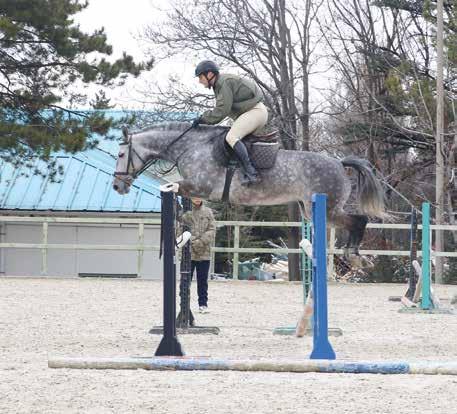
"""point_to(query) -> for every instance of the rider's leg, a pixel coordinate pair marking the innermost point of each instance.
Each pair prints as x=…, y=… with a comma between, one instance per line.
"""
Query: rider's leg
x=250, y=173
x=250, y=122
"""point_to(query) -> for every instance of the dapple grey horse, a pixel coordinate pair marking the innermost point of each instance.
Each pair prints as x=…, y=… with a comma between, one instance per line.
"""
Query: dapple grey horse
x=295, y=176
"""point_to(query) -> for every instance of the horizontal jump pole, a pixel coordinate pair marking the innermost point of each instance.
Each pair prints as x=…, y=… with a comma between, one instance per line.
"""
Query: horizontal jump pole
x=298, y=366
x=291, y=330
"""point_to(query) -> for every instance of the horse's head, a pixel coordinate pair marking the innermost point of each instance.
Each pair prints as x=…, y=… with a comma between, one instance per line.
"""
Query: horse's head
x=140, y=150
x=130, y=163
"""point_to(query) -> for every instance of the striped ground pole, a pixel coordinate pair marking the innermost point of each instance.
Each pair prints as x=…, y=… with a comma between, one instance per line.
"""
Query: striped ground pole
x=297, y=366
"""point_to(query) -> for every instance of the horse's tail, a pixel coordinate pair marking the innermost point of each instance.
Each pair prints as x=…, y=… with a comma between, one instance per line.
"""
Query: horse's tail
x=371, y=194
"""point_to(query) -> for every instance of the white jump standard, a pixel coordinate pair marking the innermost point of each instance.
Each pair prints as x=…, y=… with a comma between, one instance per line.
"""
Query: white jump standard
x=420, y=297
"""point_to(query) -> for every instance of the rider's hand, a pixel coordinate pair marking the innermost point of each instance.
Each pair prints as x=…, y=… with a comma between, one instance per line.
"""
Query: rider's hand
x=196, y=122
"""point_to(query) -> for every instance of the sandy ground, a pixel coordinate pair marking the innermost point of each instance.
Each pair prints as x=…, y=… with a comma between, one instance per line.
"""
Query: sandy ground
x=41, y=317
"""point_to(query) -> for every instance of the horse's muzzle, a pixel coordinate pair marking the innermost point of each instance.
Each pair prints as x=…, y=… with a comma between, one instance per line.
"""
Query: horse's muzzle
x=121, y=186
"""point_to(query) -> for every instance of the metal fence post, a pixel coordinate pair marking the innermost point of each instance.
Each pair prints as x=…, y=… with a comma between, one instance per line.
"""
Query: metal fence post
x=331, y=254
x=236, y=256
x=140, y=251
x=44, y=250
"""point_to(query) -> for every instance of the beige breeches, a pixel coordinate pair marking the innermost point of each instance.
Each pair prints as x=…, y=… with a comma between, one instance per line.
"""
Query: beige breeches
x=247, y=123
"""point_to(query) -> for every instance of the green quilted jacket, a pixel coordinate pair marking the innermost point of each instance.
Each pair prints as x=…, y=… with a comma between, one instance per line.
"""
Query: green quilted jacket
x=234, y=96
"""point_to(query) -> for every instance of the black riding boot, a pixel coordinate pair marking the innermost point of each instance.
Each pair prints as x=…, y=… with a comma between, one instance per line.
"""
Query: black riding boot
x=250, y=173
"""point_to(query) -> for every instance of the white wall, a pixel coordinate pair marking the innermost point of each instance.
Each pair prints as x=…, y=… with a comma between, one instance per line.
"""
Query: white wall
x=71, y=263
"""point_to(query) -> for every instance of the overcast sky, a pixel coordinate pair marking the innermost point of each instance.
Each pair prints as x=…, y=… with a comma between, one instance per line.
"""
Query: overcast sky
x=123, y=21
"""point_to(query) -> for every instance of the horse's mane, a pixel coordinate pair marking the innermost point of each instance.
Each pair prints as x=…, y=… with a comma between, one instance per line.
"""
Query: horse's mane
x=204, y=134
x=180, y=126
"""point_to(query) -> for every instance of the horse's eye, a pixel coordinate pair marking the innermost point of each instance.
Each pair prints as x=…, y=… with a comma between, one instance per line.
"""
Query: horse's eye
x=121, y=155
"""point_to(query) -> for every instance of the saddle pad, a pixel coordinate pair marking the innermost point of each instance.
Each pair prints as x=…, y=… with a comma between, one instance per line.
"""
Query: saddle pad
x=263, y=154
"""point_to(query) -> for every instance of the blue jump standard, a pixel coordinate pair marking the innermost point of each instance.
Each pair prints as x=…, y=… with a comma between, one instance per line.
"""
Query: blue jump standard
x=322, y=349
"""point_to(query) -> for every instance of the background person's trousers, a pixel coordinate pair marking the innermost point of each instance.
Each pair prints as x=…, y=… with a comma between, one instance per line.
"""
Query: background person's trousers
x=202, y=267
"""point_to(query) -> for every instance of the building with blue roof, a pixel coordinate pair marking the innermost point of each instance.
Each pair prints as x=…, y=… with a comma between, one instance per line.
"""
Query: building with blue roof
x=84, y=191
x=85, y=186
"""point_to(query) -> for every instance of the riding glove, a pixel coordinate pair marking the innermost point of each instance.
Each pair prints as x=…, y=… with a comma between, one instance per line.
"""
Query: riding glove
x=196, y=122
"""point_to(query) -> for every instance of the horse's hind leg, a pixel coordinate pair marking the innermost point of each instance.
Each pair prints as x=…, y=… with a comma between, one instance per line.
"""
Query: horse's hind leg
x=356, y=232
x=355, y=225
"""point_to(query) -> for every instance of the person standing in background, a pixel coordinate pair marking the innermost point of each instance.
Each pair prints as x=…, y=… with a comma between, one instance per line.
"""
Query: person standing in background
x=203, y=228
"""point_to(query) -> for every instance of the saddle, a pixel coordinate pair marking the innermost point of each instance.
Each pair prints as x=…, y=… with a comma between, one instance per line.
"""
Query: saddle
x=262, y=149
x=270, y=137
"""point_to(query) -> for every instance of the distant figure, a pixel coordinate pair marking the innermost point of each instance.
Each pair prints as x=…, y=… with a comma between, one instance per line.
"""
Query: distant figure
x=203, y=228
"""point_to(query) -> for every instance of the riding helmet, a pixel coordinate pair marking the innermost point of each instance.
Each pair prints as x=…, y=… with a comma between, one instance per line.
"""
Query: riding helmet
x=206, y=66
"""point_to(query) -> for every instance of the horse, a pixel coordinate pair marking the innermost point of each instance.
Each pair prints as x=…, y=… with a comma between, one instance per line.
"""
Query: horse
x=295, y=177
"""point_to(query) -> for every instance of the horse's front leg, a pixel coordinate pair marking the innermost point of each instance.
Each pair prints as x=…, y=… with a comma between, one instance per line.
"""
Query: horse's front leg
x=188, y=188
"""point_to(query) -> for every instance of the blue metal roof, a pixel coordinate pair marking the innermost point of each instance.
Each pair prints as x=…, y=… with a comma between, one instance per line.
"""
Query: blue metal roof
x=86, y=185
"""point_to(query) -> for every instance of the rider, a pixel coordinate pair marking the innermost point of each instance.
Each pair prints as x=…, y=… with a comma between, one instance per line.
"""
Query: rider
x=239, y=99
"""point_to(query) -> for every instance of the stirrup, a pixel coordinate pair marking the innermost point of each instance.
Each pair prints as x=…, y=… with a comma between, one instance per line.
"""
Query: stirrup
x=248, y=180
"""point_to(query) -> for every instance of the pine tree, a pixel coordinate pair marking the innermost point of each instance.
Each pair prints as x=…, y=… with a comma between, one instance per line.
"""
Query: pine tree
x=42, y=53
x=101, y=101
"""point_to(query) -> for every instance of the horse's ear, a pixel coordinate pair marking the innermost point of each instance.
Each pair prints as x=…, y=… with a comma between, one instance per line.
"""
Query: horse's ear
x=125, y=132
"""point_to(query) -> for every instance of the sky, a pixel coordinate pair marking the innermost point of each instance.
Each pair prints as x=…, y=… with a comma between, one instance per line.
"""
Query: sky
x=123, y=21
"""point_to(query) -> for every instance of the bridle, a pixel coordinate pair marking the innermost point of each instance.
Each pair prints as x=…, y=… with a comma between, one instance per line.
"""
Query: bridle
x=130, y=151
x=146, y=164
